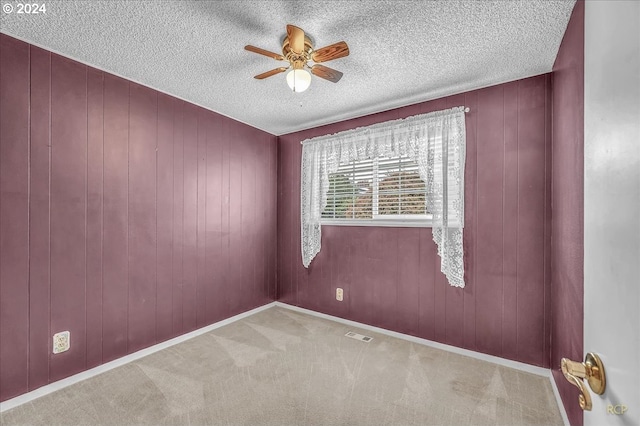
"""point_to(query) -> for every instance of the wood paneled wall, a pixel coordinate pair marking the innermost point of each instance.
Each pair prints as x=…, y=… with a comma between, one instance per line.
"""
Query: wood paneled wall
x=391, y=276
x=127, y=216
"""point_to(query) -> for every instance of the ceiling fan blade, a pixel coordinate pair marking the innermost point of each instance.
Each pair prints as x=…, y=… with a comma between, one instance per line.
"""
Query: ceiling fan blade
x=326, y=73
x=264, y=52
x=270, y=73
x=296, y=38
x=329, y=53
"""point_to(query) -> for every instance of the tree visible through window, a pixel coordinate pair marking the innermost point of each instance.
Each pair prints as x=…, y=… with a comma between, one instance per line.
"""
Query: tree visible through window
x=379, y=188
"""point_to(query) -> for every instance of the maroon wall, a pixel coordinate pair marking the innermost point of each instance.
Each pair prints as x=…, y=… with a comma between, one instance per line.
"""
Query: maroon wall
x=126, y=216
x=567, y=224
x=391, y=276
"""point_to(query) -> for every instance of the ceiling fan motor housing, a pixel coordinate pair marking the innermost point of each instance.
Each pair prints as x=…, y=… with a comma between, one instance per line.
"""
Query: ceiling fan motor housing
x=297, y=60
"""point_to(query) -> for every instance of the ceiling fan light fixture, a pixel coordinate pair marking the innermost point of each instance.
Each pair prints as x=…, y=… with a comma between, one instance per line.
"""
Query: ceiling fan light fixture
x=298, y=50
x=299, y=80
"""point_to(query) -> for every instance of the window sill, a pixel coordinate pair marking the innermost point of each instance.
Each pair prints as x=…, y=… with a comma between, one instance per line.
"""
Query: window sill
x=423, y=223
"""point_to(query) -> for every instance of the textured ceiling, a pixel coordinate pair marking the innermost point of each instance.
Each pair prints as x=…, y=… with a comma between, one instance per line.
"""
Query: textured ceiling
x=402, y=52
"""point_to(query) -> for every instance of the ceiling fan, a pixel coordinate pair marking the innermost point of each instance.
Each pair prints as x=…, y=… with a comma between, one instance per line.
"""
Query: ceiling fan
x=298, y=50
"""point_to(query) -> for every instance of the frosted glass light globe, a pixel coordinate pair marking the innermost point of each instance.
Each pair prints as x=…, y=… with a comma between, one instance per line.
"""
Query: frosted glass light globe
x=298, y=80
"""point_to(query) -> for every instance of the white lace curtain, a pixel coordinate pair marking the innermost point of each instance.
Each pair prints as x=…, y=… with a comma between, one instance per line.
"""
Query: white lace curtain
x=435, y=141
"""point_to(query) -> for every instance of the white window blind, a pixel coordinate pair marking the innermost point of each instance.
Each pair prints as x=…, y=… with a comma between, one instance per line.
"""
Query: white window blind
x=386, y=188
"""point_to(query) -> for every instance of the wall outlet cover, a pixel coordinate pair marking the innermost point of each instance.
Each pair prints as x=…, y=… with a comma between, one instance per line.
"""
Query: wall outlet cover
x=61, y=342
x=339, y=294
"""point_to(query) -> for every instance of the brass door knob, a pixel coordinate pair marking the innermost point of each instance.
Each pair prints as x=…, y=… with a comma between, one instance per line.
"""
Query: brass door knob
x=591, y=369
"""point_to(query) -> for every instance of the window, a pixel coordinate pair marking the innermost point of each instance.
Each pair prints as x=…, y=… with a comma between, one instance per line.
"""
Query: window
x=356, y=177
x=384, y=191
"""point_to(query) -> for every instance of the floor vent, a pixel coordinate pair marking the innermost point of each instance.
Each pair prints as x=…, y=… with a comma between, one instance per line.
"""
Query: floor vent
x=360, y=337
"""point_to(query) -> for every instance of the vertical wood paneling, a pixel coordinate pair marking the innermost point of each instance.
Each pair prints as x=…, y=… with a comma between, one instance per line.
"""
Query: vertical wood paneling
x=118, y=209
x=285, y=276
x=408, y=268
x=427, y=252
x=250, y=196
x=285, y=260
x=506, y=180
x=547, y=332
x=281, y=260
x=454, y=316
x=272, y=221
x=68, y=211
x=190, y=219
x=313, y=290
x=300, y=276
x=490, y=184
x=214, y=266
x=295, y=268
x=262, y=192
x=236, y=262
x=226, y=210
x=39, y=168
x=164, y=223
x=178, y=216
x=201, y=225
x=440, y=305
x=339, y=257
x=247, y=198
x=14, y=216
x=510, y=223
x=327, y=294
x=360, y=291
x=143, y=125
x=201, y=228
x=95, y=151
x=470, y=223
x=385, y=270
x=531, y=204
x=248, y=217
x=260, y=229
x=115, y=216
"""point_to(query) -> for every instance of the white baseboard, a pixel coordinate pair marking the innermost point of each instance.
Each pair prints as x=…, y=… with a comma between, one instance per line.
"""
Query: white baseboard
x=540, y=371
x=52, y=387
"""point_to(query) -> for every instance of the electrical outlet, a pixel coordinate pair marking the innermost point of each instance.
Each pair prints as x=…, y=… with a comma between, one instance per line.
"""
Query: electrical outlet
x=339, y=294
x=61, y=342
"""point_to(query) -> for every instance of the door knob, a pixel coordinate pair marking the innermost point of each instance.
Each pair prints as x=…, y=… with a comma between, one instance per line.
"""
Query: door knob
x=592, y=370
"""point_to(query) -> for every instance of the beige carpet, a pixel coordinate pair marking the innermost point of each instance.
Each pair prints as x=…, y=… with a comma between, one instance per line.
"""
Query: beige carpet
x=280, y=367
